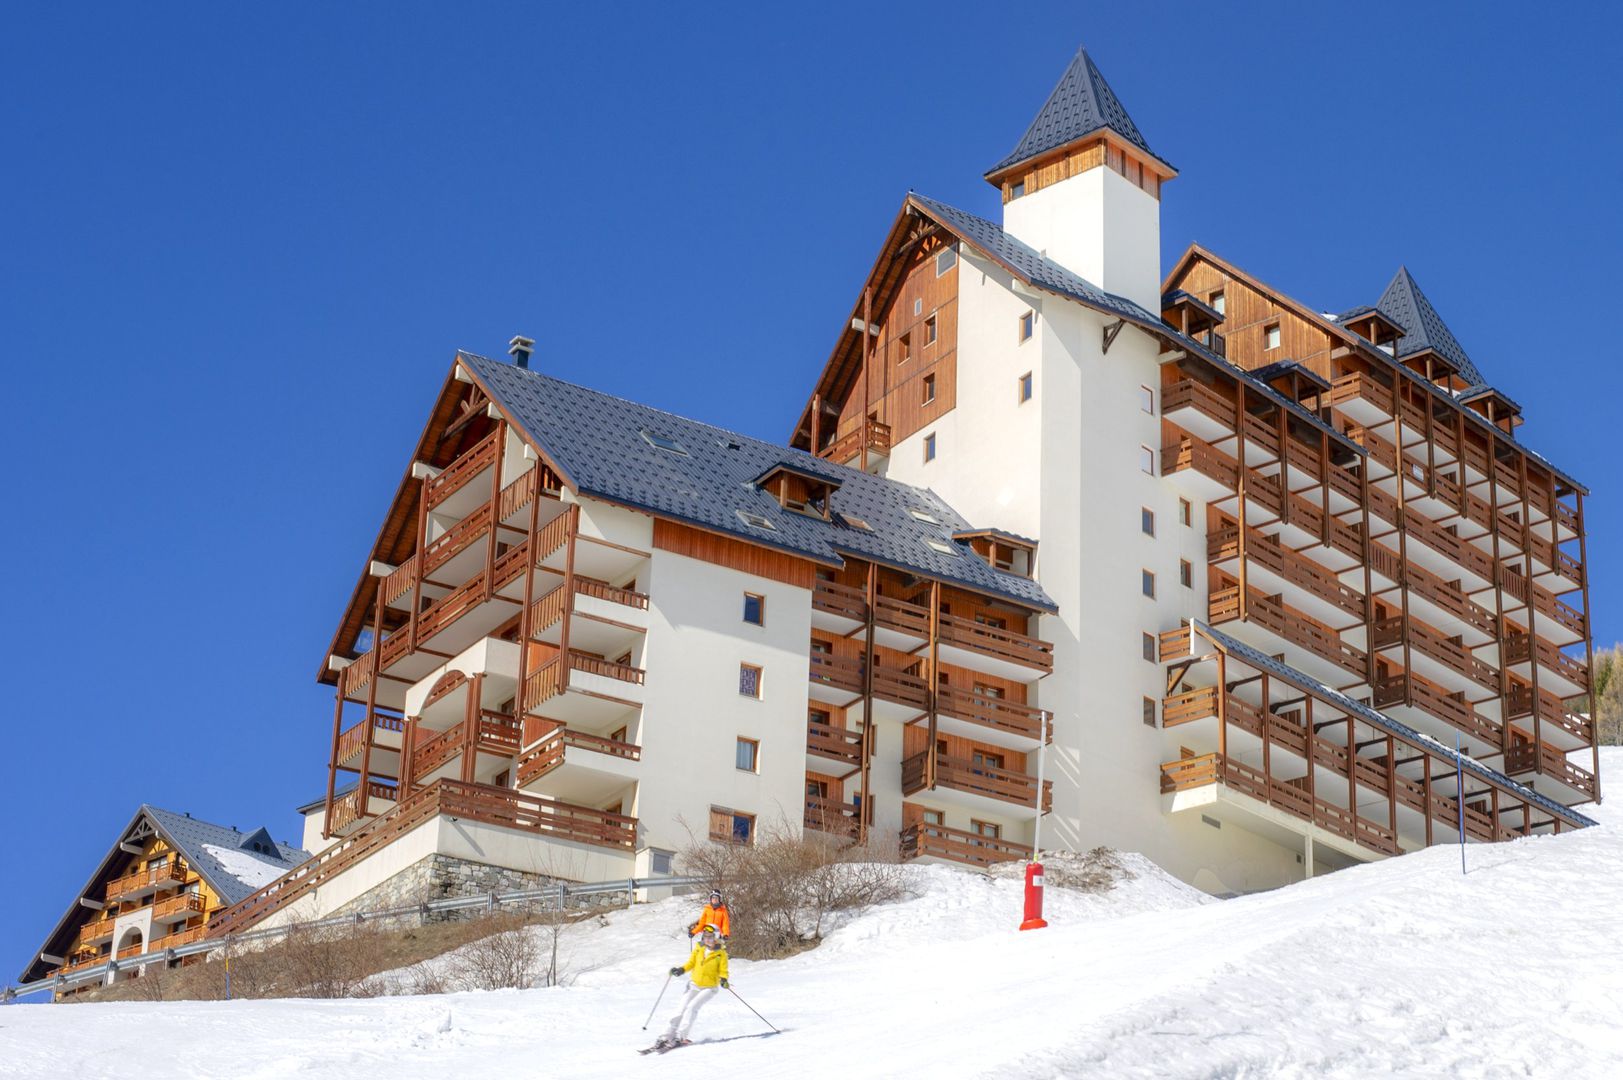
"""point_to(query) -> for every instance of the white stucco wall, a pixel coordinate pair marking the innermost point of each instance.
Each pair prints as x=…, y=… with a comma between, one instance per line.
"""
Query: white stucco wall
x=1100, y=226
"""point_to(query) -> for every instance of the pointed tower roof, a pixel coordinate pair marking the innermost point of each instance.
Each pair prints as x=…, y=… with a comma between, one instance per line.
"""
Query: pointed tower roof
x=1423, y=328
x=1080, y=105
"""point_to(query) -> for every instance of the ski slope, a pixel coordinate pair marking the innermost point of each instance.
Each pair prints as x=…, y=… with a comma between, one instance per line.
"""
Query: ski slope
x=1401, y=968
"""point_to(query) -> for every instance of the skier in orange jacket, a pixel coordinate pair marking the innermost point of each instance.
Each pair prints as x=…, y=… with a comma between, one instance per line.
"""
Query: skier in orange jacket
x=715, y=914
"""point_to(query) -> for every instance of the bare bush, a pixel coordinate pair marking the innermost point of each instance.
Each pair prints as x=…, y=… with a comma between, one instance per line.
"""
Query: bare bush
x=502, y=960
x=783, y=889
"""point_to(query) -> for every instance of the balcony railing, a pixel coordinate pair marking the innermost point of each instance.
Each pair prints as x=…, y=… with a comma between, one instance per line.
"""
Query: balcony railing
x=830, y=816
x=996, y=641
x=999, y=714
x=838, y=672
x=166, y=874
x=836, y=598
x=1305, y=574
x=835, y=743
x=976, y=778
x=347, y=808
x=1551, y=710
x=1450, y=652
x=100, y=930
x=472, y=462
x=548, y=680
x=940, y=842
x=1547, y=761
x=353, y=741
x=179, y=907
x=551, y=751
x=1451, y=708
x=847, y=446
x=1268, y=613
x=550, y=608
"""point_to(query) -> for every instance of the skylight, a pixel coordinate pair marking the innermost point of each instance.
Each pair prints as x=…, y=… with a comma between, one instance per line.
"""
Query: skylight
x=858, y=523
x=939, y=545
x=754, y=521
x=663, y=442
x=923, y=515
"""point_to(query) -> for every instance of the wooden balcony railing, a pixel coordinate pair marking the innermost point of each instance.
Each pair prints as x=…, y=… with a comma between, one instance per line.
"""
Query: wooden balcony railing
x=435, y=748
x=1359, y=385
x=1547, y=761
x=498, y=732
x=1447, y=595
x=549, y=609
x=551, y=751
x=1551, y=710
x=846, y=601
x=179, y=907
x=179, y=938
x=835, y=743
x=472, y=462
x=608, y=669
x=1450, y=652
x=1520, y=647
x=1300, y=571
x=902, y=687
x=999, y=714
x=1451, y=708
x=901, y=616
x=1176, y=644
x=347, y=808
x=839, y=672
x=550, y=679
x=994, y=641
x=1270, y=614
x=1543, y=601
x=353, y=740
x=1192, y=453
x=847, y=446
x=170, y=872
x=830, y=816
x=940, y=842
x=99, y=930
x=977, y=778
x=1206, y=400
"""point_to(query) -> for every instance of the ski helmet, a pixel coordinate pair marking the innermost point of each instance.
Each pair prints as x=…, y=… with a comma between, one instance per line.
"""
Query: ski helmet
x=715, y=896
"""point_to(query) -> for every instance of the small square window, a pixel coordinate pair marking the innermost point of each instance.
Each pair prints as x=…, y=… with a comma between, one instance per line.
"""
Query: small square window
x=1146, y=461
x=929, y=447
x=929, y=389
x=660, y=862
x=1146, y=521
x=1028, y=322
x=755, y=608
x=918, y=305
x=1150, y=650
x=1146, y=400
x=1149, y=712
x=1185, y=512
x=1217, y=301
x=731, y=826
x=1017, y=189
x=945, y=261
x=749, y=680
x=747, y=756
x=1025, y=388
x=930, y=330
x=1270, y=336
x=1147, y=583
x=1186, y=574
x=904, y=348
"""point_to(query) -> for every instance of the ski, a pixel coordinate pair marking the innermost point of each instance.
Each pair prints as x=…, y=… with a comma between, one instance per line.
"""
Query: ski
x=662, y=1047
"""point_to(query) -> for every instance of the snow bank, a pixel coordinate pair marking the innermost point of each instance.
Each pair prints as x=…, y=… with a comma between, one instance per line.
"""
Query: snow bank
x=1405, y=967
x=244, y=867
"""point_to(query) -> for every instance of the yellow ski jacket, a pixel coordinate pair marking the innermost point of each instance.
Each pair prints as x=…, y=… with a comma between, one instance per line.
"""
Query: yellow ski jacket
x=709, y=966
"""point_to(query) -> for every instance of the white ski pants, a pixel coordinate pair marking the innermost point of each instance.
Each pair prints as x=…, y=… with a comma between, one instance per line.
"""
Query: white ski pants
x=695, y=999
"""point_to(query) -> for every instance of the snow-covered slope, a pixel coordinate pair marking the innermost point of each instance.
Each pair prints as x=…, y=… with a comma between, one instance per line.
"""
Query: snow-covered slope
x=1406, y=967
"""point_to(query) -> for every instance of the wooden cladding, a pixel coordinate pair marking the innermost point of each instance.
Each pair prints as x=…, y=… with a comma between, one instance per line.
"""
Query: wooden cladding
x=1077, y=159
x=735, y=554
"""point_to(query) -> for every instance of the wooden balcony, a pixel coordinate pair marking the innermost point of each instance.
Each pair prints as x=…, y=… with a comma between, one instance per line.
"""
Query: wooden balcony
x=1557, y=725
x=551, y=752
x=836, y=818
x=167, y=874
x=1525, y=757
x=177, y=908
x=1452, y=609
x=99, y=930
x=1416, y=693
x=179, y=938
x=846, y=448
x=846, y=606
x=835, y=678
x=1194, y=706
x=1199, y=469
x=977, y=638
x=1361, y=397
x=352, y=743
x=972, y=778
x=1520, y=649
x=832, y=743
x=1270, y=614
x=1190, y=773
x=623, y=605
x=347, y=810
x=622, y=681
x=955, y=845
x=470, y=464
x=988, y=718
x=1316, y=588
x=1451, y=662
x=1557, y=620
x=1209, y=414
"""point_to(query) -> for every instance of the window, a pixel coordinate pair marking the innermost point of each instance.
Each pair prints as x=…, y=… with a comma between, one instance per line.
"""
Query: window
x=918, y=305
x=1147, y=583
x=983, y=690
x=986, y=829
x=1217, y=302
x=1146, y=521
x=1017, y=189
x=1270, y=336
x=747, y=756
x=664, y=442
x=816, y=789
x=1146, y=400
x=731, y=826
x=1185, y=512
x=754, y=521
x=1149, y=648
x=929, y=330
x=987, y=759
x=939, y=545
x=1025, y=388
x=1149, y=712
x=1027, y=322
x=945, y=261
x=755, y=609
x=923, y=515
x=904, y=346
x=749, y=680
x=1186, y=574
x=929, y=447
x=1146, y=461
x=929, y=389
x=933, y=817
x=660, y=862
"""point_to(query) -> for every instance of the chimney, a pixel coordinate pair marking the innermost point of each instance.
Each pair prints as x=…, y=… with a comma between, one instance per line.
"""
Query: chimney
x=520, y=348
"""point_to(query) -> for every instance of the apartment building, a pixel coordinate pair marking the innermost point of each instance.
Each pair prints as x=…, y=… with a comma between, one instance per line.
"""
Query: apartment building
x=1167, y=562
x=156, y=888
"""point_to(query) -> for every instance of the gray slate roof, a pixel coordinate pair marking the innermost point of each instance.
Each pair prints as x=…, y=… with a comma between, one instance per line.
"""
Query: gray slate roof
x=1261, y=661
x=1081, y=104
x=189, y=836
x=1423, y=328
x=596, y=440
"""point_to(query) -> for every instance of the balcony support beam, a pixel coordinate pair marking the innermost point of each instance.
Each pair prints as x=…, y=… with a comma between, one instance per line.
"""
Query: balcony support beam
x=870, y=600
x=1589, y=646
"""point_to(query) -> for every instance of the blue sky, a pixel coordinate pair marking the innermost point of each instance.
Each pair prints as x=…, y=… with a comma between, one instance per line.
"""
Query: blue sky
x=239, y=249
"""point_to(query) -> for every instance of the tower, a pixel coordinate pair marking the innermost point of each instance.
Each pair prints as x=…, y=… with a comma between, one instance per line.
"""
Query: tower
x=1083, y=187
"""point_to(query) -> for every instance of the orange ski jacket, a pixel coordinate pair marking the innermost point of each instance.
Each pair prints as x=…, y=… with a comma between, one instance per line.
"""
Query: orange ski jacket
x=713, y=916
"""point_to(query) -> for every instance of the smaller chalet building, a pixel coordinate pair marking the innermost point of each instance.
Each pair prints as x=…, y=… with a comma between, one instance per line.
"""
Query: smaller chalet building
x=155, y=889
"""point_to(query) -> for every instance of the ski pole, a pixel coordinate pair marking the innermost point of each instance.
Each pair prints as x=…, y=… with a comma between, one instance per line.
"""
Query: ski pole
x=751, y=1008
x=657, y=1000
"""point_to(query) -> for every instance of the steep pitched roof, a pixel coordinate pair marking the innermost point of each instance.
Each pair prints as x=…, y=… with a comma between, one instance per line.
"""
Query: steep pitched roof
x=1080, y=104
x=597, y=442
x=231, y=870
x=1423, y=328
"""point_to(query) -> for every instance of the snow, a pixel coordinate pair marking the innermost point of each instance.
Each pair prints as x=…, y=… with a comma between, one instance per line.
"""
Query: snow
x=244, y=867
x=1405, y=967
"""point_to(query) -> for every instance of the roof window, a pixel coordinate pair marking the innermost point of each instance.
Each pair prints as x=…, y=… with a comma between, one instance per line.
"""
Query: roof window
x=923, y=515
x=858, y=523
x=753, y=520
x=663, y=442
x=939, y=545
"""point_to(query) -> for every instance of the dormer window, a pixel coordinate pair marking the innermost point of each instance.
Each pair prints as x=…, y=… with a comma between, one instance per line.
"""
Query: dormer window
x=801, y=492
x=1001, y=551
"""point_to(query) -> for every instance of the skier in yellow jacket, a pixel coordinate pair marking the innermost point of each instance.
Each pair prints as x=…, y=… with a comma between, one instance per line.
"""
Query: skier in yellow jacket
x=708, y=965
